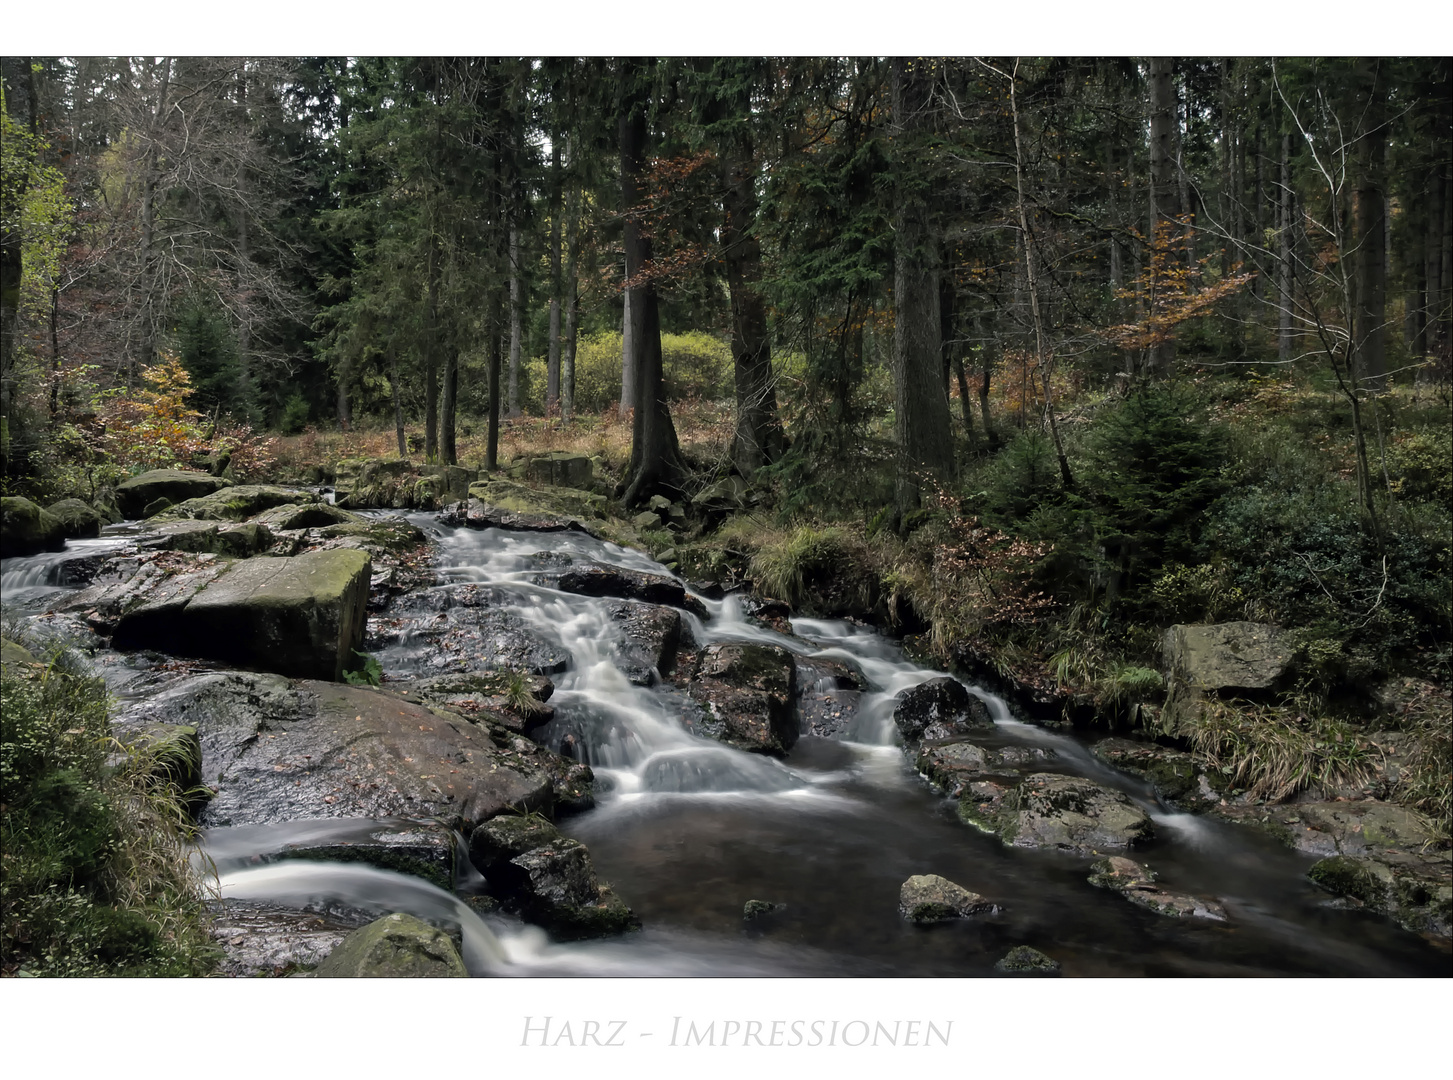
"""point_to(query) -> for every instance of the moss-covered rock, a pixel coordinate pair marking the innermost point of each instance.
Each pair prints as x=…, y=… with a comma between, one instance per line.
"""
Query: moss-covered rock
x=1232, y=657
x=928, y=898
x=1027, y=960
x=236, y=503
x=938, y=709
x=952, y=766
x=746, y=691
x=1414, y=888
x=1182, y=779
x=26, y=529
x=397, y=946
x=177, y=485
x=562, y=469
x=79, y=518
x=1065, y=813
x=1136, y=883
x=318, y=515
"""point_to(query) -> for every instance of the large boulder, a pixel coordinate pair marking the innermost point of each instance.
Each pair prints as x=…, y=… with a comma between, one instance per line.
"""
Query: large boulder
x=939, y=709
x=654, y=634
x=1227, y=658
x=1336, y=828
x=1064, y=813
x=422, y=849
x=235, y=503
x=235, y=541
x=746, y=692
x=26, y=529
x=398, y=946
x=562, y=469
x=548, y=878
x=461, y=628
x=319, y=515
x=600, y=579
x=928, y=898
x=78, y=517
x=174, y=485
x=303, y=616
x=274, y=750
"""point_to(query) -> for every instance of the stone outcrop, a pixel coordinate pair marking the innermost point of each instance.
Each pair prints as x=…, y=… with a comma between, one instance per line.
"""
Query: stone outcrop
x=828, y=693
x=1064, y=813
x=1136, y=883
x=398, y=946
x=654, y=635
x=78, y=518
x=1227, y=658
x=952, y=767
x=234, y=503
x=1181, y=779
x=1415, y=888
x=562, y=469
x=746, y=693
x=174, y=485
x=26, y=529
x=928, y=898
x=275, y=750
x=548, y=878
x=462, y=628
x=939, y=709
x=598, y=579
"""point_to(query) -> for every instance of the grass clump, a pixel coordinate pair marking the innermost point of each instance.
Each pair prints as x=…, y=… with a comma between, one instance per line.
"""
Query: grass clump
x=96, y=876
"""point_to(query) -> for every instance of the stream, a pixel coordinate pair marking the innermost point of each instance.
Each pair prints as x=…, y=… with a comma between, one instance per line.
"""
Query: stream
x=687, y=830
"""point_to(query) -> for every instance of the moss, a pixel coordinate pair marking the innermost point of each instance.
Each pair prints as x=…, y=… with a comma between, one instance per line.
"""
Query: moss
x=985, y=821
x=1353, y=878
x=1024, y=959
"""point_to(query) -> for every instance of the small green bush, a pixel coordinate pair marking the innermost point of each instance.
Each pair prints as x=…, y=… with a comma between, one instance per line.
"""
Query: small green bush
x=694, y=365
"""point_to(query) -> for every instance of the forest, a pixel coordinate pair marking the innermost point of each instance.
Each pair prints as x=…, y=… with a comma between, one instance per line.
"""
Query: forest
x=1040, y=366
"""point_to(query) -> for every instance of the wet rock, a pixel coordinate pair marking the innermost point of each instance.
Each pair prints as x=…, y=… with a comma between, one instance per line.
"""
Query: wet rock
x=548, y=878
x=1027, y=960
x=1066, y=813
x=397, y=946
x=235, y=503
x=928, y=898
x=135, y=494
x=422, y=849
x=654, y=634
x=746, y=692
x=260, y=939
x=302, y=616
x=753, y=910
x=275, y=751
x=599, y=579
x=562, y=469
x=461, y=628
x=156, y=506
x=78, y=518
x=26, y=529
x=1229, y=657
x=828, y=692
x=485, y=696
x=1135, y=882
x=1335, y=828
x=235, y=541
x=1413, y=888
x=319, y=515
x=939, y=709
x=952, y=766
x=1181, y=779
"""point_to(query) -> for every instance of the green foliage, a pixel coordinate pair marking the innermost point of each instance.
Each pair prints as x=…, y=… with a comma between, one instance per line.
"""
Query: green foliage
x=1421, y=465
x=784, y=569
x=295, y=414
x=367, y=671
x=694, y=365
x=1197, y=594
x=96, y=879
x=520, y=696
x=207, y=348
x=1023, y=477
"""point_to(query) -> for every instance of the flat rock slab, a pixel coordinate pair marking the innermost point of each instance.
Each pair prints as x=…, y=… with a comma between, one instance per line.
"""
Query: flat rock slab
x=177, y=485
x=420, y=848
x=1227, y=657
x=1181, y=779
x=1064, y=813
x=302, y=617
x=952, y=766
x=460, y=628
x=1136, y=882
x=1414, y=888
x=475, y=514
x=928, y=898
x=1335, y=828
x=235, y=503
x=277, y=751
x=268, y=941
x=599, y=579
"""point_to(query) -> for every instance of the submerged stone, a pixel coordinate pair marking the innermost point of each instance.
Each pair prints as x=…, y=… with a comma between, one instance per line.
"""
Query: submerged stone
x=1066, y=813
x=1136, y=883
x=1026, y=960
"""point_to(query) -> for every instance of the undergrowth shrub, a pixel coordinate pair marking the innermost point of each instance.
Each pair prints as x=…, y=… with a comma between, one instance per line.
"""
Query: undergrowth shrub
x=96, y=877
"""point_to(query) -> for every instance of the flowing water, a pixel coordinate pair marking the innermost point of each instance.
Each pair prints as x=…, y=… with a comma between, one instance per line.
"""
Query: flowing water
x=687, y=830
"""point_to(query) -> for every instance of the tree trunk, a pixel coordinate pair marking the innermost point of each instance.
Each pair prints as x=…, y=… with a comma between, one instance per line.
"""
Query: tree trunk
x=1371, y=237
x=393, y=386
x=552, y=356
x=987, y=352
x=431, y=354
x=1164, y=204
x=495, y=331
x=447, y=447
x=655, y=455
x=1284, y=231
x=345, y=408
x=18, y=98
x=572, y=305
x=758, y=438
x=630, y=356
x=922, y=424
x=516, y=316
